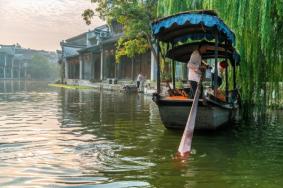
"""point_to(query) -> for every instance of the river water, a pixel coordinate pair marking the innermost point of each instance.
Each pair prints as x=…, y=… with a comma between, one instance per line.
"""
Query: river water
x=54, y=137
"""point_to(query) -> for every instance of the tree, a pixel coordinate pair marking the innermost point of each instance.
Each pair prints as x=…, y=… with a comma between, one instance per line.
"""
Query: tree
x=258, y=26
x=39, y=68
x=135, y=17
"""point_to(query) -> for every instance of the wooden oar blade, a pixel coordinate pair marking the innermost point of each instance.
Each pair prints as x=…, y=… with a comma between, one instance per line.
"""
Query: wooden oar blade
x=186, y=141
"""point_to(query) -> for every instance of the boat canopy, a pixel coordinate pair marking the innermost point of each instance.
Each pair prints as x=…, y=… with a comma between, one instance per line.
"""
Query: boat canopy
x=182, y=53
x=194, y=25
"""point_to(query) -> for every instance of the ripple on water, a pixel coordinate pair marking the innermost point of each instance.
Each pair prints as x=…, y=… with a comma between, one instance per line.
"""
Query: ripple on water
x=70, y=138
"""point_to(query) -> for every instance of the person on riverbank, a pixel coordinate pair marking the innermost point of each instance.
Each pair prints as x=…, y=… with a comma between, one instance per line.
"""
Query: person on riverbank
x=195, y=69
x=140, y=80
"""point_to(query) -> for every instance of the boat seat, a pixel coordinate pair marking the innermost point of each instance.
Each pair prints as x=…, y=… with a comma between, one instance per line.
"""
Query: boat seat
x=177, y=92
x=176, y=98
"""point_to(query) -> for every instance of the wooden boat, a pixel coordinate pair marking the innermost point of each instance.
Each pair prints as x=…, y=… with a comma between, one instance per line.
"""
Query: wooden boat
x=180, y=35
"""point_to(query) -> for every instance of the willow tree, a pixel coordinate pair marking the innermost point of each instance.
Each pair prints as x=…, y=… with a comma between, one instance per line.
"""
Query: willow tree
x=169, y=7
x=258, y=26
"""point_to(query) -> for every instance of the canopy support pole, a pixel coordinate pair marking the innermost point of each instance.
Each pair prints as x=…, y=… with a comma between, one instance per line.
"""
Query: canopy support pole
x=173, y=71
x=234, y=76
x=215, y=78
x=158, y=67
x=173, y=74
x=226, y=74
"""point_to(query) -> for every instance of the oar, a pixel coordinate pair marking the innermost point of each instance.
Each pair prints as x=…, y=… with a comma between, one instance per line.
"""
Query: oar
x=186, y=142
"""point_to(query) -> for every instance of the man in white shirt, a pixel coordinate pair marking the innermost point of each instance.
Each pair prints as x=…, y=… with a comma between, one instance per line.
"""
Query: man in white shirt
x=140, y=79
x=193, y=66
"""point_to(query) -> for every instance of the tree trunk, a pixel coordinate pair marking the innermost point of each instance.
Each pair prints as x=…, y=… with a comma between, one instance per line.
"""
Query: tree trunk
x=148, y=37
x=133, y=69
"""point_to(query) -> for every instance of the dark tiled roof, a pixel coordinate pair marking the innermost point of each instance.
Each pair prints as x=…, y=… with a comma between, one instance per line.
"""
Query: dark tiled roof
x=71, y=51
x=7, y=49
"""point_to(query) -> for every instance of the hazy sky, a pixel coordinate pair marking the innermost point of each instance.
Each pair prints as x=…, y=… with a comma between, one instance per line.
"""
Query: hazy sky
x=42, y=24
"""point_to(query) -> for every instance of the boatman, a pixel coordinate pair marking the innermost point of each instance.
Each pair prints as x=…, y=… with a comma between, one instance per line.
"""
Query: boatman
x=194, y=71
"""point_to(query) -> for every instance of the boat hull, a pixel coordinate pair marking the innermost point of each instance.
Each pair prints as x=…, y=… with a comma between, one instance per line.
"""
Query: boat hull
x=210, y=116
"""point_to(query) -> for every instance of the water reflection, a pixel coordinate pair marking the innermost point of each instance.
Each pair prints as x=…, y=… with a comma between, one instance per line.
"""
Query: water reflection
x=53, y=137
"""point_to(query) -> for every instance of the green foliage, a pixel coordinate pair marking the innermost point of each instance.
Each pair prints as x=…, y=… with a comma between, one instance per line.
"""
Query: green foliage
x=70, y=86
x=130, y=48
x=179, y=85
x=39, y=68
x=135, y=16
x=258, y=26
x=88, y=15
x=168, y=7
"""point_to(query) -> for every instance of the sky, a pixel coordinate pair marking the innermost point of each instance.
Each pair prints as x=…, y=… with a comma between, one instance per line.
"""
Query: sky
x=42, y=24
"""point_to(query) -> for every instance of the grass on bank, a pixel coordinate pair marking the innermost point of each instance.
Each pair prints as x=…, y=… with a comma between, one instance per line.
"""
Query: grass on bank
x=70, y=86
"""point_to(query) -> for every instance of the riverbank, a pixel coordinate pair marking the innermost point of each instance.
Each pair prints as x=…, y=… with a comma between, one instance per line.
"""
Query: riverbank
x=70, y=86
x=130, y=86
x=118, y=86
